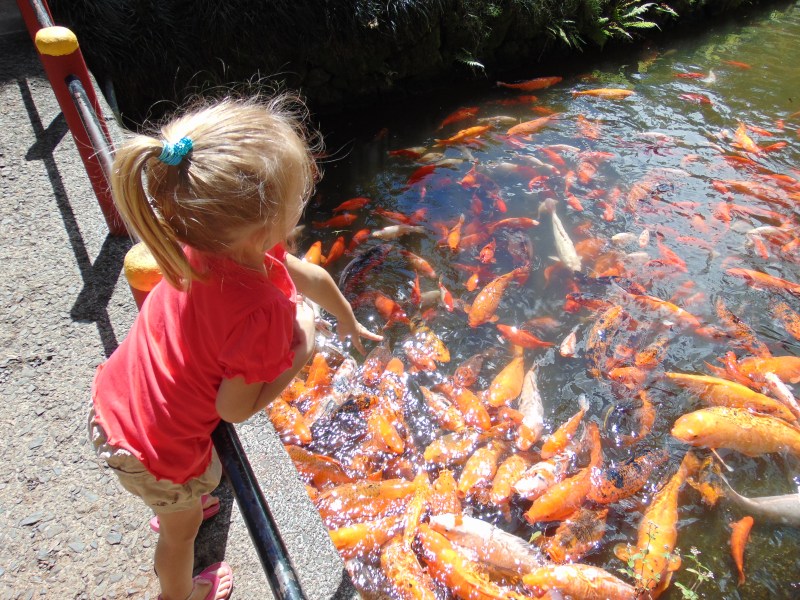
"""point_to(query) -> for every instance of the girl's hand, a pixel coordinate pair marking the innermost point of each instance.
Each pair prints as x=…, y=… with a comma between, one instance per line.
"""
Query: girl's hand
x=350, y=328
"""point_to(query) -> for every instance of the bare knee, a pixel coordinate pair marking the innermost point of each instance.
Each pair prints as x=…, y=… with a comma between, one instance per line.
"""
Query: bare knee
x=181, y=526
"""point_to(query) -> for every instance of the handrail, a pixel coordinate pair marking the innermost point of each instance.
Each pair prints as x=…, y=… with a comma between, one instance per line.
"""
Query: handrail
x=63, y=62
x=257, y=516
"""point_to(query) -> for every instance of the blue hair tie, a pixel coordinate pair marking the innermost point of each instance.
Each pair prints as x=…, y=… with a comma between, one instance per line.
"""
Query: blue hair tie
x=173, y=154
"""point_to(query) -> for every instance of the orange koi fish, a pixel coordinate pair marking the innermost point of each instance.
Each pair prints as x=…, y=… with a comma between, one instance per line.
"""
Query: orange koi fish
x=588, y=129
x=421, y=173
x=743, y=334
x=319, y=375
x=314, y=254
x=578, y=581
x=736, y=63
x=395, y=216
x=601, y=335
x=446, y=297
x=647, y=417
x=738, y=429
x=740, y=532
x=539, y=83
x=425, y=348
x=442, y=497
x=462, y=576
x=512, y=223
x=352, y=204
x=787, y=368
x=577, y=536
x=361, y=501
x=488, y=299
x=721, y=392
x=508, y=473
x=465, y=136
x=335, y=253
x=564, y=498
x=362, y=539
x=317, y=469
x=486, y=254
x=759, y=280
x=507, y=384
x=375, y=364
x=471, y=407
x=695, y=98
x=462, y=114
x=706, y=481
x=744, y=141
x=419, y=264
x=617, y=483
x=481, y=467
x=443, y=411
x=343, y=220
x=788, y=318
x=359, y=237
x=532, y=126
x=454, y=235
x=667, y=310
x=289, y=423
x=658, y=529
x=452, y=448
x=401, y=567
x=412, y=153
x=467, y=372
x=561, y=437
x=605, y=93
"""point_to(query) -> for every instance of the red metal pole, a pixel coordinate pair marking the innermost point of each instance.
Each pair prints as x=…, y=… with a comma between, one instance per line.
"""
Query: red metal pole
x=61, y=57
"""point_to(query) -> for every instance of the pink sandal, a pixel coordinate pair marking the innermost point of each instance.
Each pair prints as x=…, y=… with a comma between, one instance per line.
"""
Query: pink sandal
x=208, y=512
x=220, y=576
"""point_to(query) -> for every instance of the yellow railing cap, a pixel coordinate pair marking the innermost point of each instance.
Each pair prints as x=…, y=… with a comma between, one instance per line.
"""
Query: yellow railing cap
x=56, y=41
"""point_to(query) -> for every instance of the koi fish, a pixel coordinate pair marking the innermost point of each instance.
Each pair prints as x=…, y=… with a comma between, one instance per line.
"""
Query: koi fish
x=359, y=237
x=488, y=299
x=452, y=448
x=512, y=223
x=532, y=410
x=542, y=476
x=588, y=129
x=520, y=337
x=362, y=539
x=335, y=253
x=465, y=135
x=462, y=114
x=617, y=483
x=419, y=264
x=425, y=348
x=481, y=467
x=605, y=93
x=565, y=248
x=343, y=220
x=532, y=126
x=461, y=575
x=736, y=63
x=443, y=411
x=454, y=235
x=784, y=509
x=561, y=437
x=705, y=481
x=498, y=549
x=317, y=469
x=352, y=204
x=362, y=501
x=421, y=173
x=721, y=392
x=289, y=423
x=336, y=394
x=667, y=310
x=744, y=141
x=787, y=368
x=508, y=473
x=578, y=581
x=314, y=254
x=539, y=83
x=695, y=98
x=740, y=531
x=577, y=536
x=486, y=254
x=408, y=579
x=738, y=429
x=564, y=498
x=507, y=384
x=759, y=280
x=392, y=232
x=657, y=529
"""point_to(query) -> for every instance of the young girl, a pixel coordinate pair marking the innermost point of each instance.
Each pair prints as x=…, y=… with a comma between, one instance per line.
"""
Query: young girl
x=223, y=334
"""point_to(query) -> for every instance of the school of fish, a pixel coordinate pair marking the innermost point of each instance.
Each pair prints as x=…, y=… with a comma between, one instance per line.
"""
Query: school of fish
x=438, y=464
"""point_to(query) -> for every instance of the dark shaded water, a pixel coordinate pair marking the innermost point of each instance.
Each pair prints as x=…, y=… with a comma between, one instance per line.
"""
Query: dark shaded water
x=669, y=149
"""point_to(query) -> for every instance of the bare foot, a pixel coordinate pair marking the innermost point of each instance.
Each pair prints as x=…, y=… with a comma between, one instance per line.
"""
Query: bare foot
x=222, y=576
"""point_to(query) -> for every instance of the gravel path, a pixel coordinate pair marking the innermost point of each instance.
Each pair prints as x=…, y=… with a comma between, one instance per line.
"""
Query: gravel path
x=67, y=529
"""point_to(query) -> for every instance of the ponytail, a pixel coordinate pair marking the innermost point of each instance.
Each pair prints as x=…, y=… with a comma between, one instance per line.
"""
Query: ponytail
x=133, y=204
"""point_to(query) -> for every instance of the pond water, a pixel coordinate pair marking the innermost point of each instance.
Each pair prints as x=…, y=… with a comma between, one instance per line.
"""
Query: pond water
x=698, y=170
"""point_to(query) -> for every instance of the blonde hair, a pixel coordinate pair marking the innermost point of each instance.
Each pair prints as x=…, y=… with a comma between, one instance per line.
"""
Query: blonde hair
x=251, y=167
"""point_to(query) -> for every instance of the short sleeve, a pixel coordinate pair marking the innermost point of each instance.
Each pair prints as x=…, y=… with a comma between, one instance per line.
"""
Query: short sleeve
x=278, y=252
x=259, y=347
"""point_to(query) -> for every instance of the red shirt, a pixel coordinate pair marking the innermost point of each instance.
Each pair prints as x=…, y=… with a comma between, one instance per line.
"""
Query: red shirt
x=156, y=395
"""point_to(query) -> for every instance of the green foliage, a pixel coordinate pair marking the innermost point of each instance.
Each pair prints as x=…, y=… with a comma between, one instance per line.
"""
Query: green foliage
x=702, y=574
x=623, y=18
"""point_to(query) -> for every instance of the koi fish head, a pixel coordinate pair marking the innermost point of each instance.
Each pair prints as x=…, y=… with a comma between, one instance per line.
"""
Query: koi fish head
x=693, y=428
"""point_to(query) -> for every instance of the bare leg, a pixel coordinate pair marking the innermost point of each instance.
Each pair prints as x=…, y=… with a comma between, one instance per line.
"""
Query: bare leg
x=174, y=558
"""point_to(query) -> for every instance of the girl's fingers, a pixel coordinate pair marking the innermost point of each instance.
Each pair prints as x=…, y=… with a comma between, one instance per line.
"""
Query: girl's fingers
x=364, y=332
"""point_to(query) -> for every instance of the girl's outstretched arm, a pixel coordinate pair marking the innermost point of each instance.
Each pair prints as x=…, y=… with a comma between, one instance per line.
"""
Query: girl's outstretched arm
x=317, y=285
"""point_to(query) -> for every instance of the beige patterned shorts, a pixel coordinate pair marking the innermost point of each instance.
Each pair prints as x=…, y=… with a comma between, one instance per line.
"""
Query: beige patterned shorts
x=162, y=495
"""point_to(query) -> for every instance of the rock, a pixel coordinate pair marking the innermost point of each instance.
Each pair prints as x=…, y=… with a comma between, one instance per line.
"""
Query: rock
x=77, y=546
x=114, y=538
x=32, y=519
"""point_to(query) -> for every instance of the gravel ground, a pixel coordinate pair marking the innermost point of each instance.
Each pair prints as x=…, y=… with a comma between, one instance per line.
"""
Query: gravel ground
x=67, y=529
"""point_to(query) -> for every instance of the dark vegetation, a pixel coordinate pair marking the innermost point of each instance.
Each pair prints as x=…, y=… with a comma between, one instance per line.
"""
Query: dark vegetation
x=152, y=54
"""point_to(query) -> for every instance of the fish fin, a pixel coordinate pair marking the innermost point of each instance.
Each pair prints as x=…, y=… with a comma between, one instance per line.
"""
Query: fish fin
x=494, y=319
x=674, y=562
x=583, y=402
x=624, y=551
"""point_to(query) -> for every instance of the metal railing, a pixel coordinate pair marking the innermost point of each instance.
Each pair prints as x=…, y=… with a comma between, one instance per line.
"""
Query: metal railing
x=65, y=68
